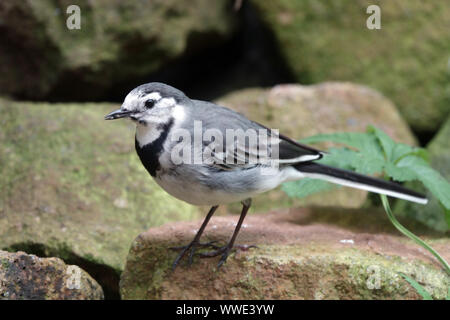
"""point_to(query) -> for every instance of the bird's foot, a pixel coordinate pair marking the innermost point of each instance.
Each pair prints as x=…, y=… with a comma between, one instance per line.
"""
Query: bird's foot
x=225, y=252
x=192, y=247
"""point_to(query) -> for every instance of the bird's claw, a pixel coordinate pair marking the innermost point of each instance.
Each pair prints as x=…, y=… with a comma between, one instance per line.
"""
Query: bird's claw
x=192, y=247
x=225, y=252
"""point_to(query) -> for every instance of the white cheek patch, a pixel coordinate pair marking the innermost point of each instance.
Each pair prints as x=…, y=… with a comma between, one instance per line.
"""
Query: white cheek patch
x=178, y=113
x=166, y=102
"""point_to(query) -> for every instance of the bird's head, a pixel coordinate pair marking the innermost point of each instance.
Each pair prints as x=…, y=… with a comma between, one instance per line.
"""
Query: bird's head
x=150, y=103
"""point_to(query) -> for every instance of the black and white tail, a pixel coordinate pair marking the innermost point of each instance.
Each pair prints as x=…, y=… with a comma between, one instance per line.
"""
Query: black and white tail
x=358, y=181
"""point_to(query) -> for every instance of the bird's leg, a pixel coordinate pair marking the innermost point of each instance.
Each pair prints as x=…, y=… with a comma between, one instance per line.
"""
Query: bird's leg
x=225, y=250
x=196, y=242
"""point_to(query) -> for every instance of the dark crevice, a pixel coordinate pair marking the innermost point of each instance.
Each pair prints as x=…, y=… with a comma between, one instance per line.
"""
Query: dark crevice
x=106, y=276
x=250, y=58
x=424, y=137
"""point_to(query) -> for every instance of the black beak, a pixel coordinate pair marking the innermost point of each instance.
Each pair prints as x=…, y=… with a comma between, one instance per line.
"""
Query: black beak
x=117, y=114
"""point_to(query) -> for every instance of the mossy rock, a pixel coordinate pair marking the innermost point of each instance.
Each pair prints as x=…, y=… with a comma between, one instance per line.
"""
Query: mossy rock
x=118, y=41
x=433, y=214
x=28, y=277
x=301, y=111
x=407, y=59
x=301, y=254
x=72, y=186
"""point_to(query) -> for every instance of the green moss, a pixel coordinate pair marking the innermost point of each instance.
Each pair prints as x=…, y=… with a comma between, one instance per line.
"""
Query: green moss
x=72, y=182
x=154, y=267
x=4, y=264
x=250, y=285
x=116, y=42
x=406, y=59
x=370, y=276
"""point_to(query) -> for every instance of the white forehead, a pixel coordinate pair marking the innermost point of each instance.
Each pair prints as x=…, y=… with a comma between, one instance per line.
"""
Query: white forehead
x=133, y=99
x=154, y=96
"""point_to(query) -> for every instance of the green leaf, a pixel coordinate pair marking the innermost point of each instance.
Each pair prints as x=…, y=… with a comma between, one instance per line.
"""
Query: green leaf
x=409, y=234
x=447, y=215
x=387, y=144
x=363, y=142
x=432, y=179
x=367, y=165
x=421, y=290
x=305, y=187
x=395, y=151
x=378, y=153
x=402, y=150
x=339, y=157
x=368, y=160
x=400, y=173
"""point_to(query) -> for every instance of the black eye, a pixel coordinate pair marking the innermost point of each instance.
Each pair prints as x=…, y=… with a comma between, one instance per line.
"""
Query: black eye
x=149, y=103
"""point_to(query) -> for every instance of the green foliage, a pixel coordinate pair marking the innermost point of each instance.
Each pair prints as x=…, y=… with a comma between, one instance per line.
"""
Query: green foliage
x=375, y=152
x=411, y=235
x=421, y=290
x=305, y=187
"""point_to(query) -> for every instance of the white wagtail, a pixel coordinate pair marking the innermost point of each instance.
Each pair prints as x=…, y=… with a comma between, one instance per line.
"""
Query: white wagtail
x=162, y=112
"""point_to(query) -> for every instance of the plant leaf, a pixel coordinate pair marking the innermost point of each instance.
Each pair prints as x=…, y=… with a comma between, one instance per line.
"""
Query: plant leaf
x=368, y=160
x=421, y=290
x=376, y=153
x=432, y=179
x=387, y=144
x=400, y=174
x=365, y=143
x=305, y=187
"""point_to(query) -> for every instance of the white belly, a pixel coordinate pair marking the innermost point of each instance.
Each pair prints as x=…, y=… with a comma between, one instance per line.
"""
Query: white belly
x=198, y=194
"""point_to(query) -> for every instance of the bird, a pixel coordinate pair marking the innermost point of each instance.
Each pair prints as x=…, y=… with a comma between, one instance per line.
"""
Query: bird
x=222, y=168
